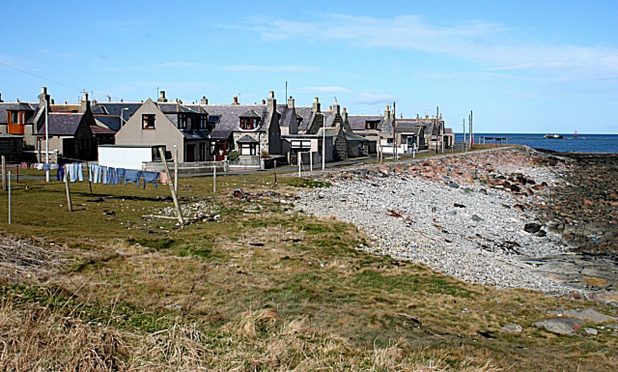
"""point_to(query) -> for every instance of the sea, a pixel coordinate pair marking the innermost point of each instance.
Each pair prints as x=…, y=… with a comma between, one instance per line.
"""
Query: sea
x=597, y=143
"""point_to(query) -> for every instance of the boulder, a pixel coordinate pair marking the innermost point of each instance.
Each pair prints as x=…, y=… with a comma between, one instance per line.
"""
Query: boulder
x=532, y=227
x=512, y=328
x=560, y=326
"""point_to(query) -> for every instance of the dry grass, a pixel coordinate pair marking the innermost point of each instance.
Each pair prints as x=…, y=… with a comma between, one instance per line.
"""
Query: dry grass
x=272, y=290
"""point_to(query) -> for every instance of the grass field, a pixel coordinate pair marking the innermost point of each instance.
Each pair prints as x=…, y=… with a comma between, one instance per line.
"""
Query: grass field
x=259, y=286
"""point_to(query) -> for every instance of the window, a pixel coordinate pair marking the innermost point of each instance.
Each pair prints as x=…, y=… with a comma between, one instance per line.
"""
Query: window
x=248, y=148
x=203, y=121
x=248, y=123
x=371, y=124
x=148, y=121
x=182, y=121
x=15, y=116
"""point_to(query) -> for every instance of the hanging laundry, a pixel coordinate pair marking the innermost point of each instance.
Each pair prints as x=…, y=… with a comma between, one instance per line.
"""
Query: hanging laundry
x=60, y=173
x=151, y=177
x=164, y=178
x=120, y=173
x=133, y=176
x=74, y=172
x=46, y=167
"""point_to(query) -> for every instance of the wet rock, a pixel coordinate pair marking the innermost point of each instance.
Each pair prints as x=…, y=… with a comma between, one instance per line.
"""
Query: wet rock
x=458, y=205
x=532, y=227
x=560, y=326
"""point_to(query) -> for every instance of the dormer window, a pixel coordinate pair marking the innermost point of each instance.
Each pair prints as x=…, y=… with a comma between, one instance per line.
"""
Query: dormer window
x=16, y=122
x=183, y=119
x=249, y=120
x=248, y=123
x=371, y=124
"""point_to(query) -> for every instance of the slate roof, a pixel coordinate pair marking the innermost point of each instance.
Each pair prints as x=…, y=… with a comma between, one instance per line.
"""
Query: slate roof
x=198, y=135
x=112, y=122
x=250, y=114
x=247, y=139
x=63, y=124
x=100, y=130
x=113, y=108
x=25, y=106
x=358, y=122
x=229, y=118
x=307, y=115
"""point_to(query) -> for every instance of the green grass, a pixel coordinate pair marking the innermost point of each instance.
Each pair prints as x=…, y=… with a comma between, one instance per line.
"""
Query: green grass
x=329, y=302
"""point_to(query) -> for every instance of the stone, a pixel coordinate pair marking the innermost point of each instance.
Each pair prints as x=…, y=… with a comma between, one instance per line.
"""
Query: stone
x=458, y=205
x=512, y=328
x=560, y=326
x=591, y=332
x=476, y=218
x=589, y=315
x=453, y=184
x=532, y=227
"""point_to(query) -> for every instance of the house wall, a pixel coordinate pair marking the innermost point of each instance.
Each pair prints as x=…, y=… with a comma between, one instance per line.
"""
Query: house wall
x=165, y=132
x=124, y=157
x=11, y=148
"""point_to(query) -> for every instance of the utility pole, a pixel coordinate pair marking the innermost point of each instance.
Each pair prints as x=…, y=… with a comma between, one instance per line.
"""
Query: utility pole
x=46, y=142
x=463, y=141
x=471, y=131
x=395, y=152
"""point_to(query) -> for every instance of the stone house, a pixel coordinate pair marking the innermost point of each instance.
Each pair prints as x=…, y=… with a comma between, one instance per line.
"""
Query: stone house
x=244, y=134
x=176, y=126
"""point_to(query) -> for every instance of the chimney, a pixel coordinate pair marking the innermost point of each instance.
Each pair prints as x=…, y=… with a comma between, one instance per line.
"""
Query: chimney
x=204, y=101
x=44, y=98
x=272, y=102
x=1, y=98
x=344, y=115
x=418, y=117
x=387, y=112
x=290, y=102
x=84, y=104
x=263, y=101
x=316, y=105
x=162, y=97
x=235, y=100
x=335, y=107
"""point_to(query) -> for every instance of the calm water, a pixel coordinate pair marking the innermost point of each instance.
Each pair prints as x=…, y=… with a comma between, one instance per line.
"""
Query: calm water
x=582, y=143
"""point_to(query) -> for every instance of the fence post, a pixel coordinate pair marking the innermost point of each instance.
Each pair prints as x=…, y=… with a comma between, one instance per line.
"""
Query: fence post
x=172, y=187
x=3, y=173
x=9, y=197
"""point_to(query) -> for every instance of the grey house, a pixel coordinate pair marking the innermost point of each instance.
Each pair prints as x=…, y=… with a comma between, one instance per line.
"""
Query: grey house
x=173, y=125
x=248, y=132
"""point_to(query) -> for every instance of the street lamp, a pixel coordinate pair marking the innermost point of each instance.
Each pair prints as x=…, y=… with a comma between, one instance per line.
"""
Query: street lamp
x=122, y=121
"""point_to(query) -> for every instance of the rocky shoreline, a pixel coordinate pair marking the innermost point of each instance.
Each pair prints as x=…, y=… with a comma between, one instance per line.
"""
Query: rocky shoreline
x=481, y=217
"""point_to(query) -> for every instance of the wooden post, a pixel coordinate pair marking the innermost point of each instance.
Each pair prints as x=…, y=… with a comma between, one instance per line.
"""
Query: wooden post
x=9, y=197
x=214, y=178
x=68, y=191
x=175, y=169
x=89, y=177
x=3, y=173
x=172, y=187
x=310, y=161
x=17, y=173
x=298, y=155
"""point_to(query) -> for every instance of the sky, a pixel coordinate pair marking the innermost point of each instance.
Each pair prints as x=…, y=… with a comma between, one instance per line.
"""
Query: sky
x=521, y=66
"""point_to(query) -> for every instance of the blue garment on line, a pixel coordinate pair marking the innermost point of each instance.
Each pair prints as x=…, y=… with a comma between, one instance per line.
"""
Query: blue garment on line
x=151, y=177
x=133, y=176
x=60, y=173
x=120, y=174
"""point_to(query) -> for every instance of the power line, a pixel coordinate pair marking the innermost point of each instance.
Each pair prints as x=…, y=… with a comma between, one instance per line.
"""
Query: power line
x=38, y=76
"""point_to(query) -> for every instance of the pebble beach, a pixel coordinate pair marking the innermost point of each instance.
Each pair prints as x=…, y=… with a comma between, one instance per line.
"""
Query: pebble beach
x=475, y=216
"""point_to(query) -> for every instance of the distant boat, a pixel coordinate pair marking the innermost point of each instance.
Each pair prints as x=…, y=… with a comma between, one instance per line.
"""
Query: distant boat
x=553, y=136
x=575, y=135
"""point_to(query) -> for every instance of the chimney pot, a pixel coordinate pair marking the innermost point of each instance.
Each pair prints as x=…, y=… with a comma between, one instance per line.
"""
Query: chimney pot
x=204, y=101
x=316, y=105
x=162, y=97
x=235, y=100
x=1, y=98
x=291, y=102
x=43, y=90
x=271, y=94
x=263, y=101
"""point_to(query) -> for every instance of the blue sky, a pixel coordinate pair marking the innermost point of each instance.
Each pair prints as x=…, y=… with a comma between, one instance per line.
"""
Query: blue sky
x=522, y=66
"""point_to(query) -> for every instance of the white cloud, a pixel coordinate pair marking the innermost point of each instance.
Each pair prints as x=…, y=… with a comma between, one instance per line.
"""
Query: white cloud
x=480, y=42
x=266, y=68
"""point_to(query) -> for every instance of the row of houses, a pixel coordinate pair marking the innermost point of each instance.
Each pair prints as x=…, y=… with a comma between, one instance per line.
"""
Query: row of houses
x=243, y=134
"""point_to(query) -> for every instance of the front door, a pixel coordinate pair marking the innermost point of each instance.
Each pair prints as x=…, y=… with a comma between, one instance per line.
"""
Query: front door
x=190, y=152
